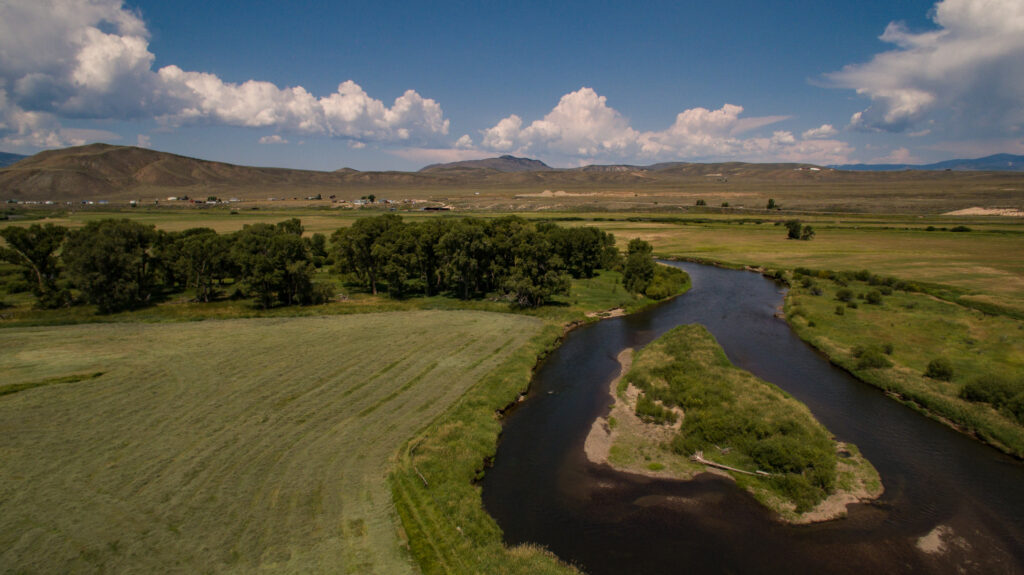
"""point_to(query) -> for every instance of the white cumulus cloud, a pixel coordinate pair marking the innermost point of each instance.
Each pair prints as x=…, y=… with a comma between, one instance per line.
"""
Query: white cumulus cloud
x=821, y=132
x=968, y=75
x=273, y=139
x=583, y=127
x=581, y=124
x=91, y=59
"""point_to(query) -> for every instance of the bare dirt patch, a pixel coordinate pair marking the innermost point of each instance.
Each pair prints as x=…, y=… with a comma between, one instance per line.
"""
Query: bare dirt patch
x=615, y=312
x=978, y=211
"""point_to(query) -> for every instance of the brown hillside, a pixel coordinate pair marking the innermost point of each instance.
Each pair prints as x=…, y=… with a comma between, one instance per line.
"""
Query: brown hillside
x=121, y=173
x=101, y=171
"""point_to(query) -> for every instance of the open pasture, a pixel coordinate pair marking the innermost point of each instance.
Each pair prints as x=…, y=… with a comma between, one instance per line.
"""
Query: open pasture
x=225, y=446
x=985, y=264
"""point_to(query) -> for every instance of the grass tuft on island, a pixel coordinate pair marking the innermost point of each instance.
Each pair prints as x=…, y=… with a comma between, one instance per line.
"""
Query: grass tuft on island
x=683, y=408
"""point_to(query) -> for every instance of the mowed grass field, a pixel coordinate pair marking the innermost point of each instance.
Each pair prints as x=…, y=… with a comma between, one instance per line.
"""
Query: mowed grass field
x=226, y=446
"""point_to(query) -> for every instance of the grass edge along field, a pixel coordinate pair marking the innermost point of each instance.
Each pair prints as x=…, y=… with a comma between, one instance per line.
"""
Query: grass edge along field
x=681, y=408
x=889, y=337
x=229, y=446
x=433, y=479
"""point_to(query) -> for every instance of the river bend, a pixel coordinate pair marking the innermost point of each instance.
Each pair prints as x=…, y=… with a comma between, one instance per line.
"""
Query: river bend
x=950, y=504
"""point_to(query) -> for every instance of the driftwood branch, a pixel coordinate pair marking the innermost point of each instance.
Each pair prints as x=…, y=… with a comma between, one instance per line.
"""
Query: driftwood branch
x=699, y=458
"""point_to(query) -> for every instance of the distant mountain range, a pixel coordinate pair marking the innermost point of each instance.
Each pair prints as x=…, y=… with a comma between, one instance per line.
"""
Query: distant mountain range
x=995, y=163
x=102, y=171
x=8, y=159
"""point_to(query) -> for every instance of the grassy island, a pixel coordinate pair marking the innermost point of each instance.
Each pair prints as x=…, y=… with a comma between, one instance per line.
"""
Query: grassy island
x=682, y=408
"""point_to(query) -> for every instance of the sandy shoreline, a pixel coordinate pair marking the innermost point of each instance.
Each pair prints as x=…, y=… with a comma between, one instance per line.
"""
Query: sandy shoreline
x=603, y=435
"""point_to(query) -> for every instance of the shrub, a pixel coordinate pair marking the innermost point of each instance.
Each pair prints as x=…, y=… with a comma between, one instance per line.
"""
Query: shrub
x=874, y=297
x=1015, y=407
x=844, y=295
x=667, y=281
x=701, y=203
x=840, y=310
x=794, y=228
x=873, y=359
x=960, y=229
x=992, y=388
x=939, y=368
x=651, y=412
x=1001, y=392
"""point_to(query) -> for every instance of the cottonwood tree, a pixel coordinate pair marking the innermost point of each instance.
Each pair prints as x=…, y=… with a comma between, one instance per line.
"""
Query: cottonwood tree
x=467, y=250
x=639, y=269
x=582, y=249
x=275, y=264
x=35, y=248
x=353, y=248
x=204, y=259
x=536, y=274
x=110, y=262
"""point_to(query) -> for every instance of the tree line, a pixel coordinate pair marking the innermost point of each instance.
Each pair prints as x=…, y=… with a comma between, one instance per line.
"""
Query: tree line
x=120, y=264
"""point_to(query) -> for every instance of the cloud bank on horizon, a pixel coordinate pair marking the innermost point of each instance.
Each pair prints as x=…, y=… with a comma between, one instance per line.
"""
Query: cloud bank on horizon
x=65, y=61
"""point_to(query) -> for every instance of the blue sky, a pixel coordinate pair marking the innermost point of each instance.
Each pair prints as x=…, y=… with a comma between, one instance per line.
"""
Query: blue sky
x=397, y=85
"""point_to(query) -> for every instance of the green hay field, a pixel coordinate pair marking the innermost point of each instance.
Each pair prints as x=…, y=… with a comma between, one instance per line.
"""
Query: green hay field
x=225, y=446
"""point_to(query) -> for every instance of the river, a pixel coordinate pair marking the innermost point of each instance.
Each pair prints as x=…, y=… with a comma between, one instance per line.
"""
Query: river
x=951, y=503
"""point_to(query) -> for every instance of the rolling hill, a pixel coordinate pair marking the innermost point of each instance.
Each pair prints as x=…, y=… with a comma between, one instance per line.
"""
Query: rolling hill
x=102, y=171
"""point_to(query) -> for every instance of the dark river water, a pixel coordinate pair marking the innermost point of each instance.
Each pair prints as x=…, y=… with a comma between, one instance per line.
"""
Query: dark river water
x=542, y=489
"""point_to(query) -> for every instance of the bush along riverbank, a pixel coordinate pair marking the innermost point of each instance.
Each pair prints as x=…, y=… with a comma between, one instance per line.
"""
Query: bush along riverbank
x=953, y=363
x=682, y=408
